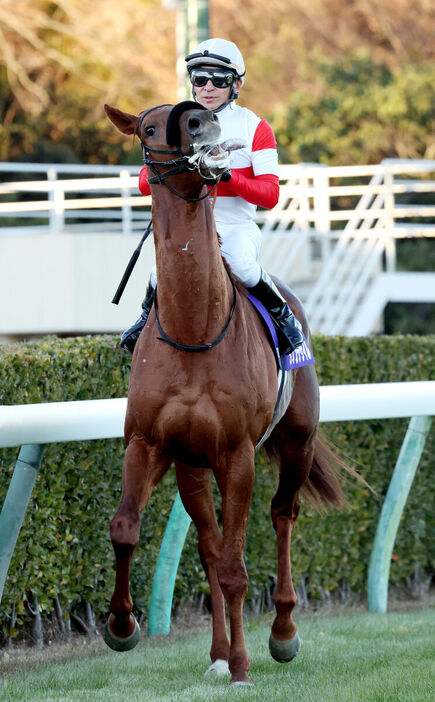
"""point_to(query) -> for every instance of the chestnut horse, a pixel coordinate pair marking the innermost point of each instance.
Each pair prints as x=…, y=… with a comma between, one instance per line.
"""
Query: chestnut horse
x=205, y=397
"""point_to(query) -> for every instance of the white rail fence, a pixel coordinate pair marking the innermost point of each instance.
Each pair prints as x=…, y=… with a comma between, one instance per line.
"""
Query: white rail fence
x=68, y=198
x=49, y=422
x=35, y=425
x=332, y=233
x=313, y=197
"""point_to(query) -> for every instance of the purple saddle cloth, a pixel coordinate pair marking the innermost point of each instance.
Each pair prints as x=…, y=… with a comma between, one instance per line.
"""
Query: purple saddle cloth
x=302, y=356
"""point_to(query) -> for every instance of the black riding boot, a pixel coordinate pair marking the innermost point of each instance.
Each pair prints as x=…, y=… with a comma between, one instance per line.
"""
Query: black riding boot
x=131, y=335
x=287, y=326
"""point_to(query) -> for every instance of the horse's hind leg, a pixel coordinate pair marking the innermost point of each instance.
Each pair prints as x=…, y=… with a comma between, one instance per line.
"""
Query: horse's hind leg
x=284, y=641
x=142, y=470
x=294, y=439
x=195, y=491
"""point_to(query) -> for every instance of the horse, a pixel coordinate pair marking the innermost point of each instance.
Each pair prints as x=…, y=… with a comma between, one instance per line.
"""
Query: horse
x=202, y=390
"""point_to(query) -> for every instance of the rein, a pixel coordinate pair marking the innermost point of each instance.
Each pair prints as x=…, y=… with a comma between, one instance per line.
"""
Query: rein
x=200, y=347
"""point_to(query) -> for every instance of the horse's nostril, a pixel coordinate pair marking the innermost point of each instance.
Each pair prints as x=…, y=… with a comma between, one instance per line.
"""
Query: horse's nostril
x=193, y=125
x=215, y=117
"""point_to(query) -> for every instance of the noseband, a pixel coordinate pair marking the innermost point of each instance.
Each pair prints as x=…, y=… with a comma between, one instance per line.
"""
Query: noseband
x=180, y=164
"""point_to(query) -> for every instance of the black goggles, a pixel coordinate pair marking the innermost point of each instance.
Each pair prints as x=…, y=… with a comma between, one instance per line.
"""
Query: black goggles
x=199, y=77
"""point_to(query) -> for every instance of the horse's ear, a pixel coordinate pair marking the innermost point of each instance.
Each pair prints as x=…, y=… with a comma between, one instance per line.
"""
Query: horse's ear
x=127, y=124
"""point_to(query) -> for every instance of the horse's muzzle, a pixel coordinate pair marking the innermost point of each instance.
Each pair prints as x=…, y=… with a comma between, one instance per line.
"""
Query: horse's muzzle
x=203, y=127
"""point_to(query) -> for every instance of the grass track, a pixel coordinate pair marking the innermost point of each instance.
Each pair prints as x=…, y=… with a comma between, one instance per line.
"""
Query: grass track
x=344, y=658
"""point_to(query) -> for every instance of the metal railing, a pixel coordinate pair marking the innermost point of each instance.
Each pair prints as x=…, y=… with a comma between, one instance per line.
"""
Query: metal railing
x=333, y=230
x=311, y=202
x=367, y=244
x=72, y=198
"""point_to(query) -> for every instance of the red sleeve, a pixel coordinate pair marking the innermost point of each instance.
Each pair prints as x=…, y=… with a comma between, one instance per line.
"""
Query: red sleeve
x=260, y=190
x=264, y=138
x=144, y=186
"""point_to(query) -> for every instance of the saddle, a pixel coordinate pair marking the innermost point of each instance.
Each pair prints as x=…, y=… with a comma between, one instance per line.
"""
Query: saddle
x=301, y=356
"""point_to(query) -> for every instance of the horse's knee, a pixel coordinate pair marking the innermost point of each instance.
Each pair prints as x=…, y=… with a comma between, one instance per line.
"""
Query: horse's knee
x=233, y=579
x=210, y=550
x=125, y=529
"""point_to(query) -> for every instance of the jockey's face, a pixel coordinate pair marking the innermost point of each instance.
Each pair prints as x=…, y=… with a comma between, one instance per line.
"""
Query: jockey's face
x=211, y=97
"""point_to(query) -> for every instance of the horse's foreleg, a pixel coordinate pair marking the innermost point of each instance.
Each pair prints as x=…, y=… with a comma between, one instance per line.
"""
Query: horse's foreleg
x=236, y=481
x=142, y=470
x=196, y=494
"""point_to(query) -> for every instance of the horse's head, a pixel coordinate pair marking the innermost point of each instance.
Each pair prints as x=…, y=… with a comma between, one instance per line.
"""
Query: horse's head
x=185, y=137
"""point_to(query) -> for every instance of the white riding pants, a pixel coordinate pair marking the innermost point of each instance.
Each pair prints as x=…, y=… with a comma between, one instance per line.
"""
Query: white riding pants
x=240, y=245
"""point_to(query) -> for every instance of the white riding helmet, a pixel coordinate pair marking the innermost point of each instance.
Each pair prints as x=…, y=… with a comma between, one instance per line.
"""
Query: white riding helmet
x=217, y=52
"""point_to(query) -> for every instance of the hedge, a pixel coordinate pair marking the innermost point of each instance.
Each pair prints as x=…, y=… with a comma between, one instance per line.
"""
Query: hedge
x=64, y=550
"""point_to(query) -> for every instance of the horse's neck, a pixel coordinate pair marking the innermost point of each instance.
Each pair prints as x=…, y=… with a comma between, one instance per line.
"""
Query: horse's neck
x=193, y=288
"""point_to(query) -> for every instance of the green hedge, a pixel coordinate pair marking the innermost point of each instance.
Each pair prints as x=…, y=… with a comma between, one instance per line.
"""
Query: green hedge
x=64, y=548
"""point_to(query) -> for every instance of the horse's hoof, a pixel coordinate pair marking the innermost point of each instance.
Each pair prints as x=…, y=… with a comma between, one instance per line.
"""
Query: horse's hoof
x=284, y=651
x=241, y=683
x=119, y=644
x=218, y=669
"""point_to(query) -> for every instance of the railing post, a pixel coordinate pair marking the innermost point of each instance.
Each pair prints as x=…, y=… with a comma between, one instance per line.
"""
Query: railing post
x=389, y=221
x=56, y=215
x=15, y=504
x=162, y=592
x=321, y=203
x=395, y=499
x=124, y=177
x=51, y=177
x=302, y=218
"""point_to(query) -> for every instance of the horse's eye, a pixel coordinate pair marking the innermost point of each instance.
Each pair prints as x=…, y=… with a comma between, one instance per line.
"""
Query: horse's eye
x=149, y=131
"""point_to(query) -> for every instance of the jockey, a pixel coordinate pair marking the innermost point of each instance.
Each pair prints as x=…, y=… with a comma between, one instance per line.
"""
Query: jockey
x=216, y=70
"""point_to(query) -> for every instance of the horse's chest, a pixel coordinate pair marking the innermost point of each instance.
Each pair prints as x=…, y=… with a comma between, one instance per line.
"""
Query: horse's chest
x=198, y=415
x=196, y=432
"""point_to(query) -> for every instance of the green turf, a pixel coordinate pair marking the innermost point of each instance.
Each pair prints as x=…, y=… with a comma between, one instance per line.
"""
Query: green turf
x=344, y=658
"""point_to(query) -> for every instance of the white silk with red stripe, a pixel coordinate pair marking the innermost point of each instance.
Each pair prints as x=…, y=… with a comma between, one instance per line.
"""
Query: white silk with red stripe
x=237, y=200
x=254, y=182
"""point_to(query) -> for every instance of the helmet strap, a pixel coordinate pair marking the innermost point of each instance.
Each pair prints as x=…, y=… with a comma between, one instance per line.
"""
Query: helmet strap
x=222, y=107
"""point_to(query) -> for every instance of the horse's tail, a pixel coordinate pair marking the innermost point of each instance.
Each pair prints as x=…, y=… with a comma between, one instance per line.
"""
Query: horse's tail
x=323, y=486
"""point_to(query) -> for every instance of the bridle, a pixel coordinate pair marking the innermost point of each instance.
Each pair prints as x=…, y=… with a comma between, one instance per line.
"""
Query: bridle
x=179, y=165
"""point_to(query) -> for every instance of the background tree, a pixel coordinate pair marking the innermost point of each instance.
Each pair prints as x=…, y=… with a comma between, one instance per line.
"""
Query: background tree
x=358, y=111
x=61, y=61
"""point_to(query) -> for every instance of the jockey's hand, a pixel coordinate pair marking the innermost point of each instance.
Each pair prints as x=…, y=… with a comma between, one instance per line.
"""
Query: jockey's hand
x=226, y=176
